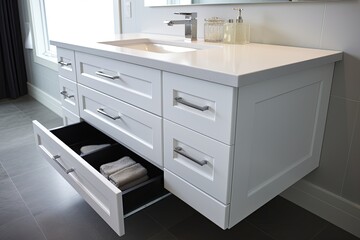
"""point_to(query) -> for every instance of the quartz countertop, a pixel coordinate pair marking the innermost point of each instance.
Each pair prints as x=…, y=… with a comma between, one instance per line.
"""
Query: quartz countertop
x=227, y=64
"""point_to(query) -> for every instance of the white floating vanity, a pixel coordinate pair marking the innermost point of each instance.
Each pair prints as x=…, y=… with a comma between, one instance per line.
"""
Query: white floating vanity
x=223, y=127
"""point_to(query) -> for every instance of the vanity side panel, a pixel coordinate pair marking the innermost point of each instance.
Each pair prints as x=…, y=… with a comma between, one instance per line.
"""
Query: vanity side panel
x=279, y=133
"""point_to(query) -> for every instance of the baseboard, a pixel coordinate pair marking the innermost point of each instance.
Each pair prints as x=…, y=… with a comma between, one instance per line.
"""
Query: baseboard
x=329, y=206
x=48, y=101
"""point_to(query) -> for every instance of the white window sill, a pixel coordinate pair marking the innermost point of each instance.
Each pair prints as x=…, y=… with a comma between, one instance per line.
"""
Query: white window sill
x=46, y=61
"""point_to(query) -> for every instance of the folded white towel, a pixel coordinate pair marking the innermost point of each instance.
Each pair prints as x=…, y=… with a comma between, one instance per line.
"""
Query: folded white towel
x=91, y=148
x=134, y=183
x=128, y=175
x=112, y=167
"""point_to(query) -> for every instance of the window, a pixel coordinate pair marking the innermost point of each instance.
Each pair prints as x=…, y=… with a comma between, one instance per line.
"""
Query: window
x=84, y=19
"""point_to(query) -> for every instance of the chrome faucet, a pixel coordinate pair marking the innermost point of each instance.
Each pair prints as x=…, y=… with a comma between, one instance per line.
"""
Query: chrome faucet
x=190, y=23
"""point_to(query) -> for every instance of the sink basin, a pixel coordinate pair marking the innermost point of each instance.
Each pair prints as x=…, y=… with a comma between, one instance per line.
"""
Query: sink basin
x=157, y=46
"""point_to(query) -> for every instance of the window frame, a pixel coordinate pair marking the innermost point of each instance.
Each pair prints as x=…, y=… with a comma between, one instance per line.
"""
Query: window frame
x=41, y=47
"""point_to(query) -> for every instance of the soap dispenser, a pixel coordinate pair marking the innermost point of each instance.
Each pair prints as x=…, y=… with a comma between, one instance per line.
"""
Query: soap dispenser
x=236, y=31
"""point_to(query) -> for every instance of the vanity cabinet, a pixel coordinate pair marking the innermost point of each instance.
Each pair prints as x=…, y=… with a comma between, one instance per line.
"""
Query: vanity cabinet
x=224, y=149
x=278, y=130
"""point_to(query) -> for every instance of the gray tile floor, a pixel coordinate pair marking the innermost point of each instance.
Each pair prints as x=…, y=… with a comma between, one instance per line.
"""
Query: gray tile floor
x=36, y=203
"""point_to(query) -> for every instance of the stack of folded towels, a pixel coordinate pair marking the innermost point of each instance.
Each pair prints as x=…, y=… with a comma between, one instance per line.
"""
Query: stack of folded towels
x=124, y=173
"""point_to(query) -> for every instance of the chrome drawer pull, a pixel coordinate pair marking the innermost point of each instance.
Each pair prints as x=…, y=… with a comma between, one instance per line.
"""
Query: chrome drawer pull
x=67, y=171
x=178, y=150
x=62, y=63
x=182, y=101
x=65, y=94
x=102, y=111
x=100, y=73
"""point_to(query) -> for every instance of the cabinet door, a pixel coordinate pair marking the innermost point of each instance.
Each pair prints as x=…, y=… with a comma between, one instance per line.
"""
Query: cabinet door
x=137, y=129
x=66, y=63
x=200, y=160
x=69, y=95
x=205, y=107
x=134, y=84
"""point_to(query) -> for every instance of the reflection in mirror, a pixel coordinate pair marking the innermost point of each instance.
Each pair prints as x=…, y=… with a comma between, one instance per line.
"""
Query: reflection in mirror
x=152, y=3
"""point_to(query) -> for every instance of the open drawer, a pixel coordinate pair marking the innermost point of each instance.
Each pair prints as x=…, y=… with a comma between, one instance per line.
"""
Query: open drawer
x=61, y=148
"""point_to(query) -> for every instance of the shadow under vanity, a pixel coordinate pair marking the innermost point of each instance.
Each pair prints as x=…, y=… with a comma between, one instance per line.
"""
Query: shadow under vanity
x=224, y=127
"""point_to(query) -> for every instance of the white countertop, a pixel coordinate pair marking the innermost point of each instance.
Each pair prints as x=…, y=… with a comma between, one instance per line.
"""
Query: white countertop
x=228, y=64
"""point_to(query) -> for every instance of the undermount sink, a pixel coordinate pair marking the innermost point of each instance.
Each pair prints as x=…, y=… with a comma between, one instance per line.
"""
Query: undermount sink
x=157, y=46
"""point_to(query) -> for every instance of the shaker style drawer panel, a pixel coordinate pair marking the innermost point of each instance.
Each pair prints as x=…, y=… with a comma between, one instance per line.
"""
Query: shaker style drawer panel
x=137, y=129
x=66, y=63
x=61, y=147
x=69, y=117
x=137, y=85
x=200, y=160
x=205, y=107
x=69, y=96
x=217, y=212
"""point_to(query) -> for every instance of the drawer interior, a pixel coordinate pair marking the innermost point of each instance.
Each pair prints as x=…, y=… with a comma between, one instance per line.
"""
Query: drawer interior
x=141, y=194
x=78, y=135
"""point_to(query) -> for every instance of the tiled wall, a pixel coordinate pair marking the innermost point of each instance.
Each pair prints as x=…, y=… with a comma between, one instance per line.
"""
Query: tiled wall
x=328, y=25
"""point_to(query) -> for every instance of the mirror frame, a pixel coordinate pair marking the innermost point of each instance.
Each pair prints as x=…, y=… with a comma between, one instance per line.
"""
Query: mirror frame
x=152, y=3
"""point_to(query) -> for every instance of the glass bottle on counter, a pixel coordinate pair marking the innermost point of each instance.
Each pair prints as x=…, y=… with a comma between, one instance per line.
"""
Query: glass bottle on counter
x=214, y=29
x=236, y=31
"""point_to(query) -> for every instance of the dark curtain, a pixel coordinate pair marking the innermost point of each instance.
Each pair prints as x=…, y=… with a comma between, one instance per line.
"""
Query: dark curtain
x=12, y=64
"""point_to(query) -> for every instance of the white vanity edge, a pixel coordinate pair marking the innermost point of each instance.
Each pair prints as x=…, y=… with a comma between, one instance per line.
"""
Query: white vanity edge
x=232, y=65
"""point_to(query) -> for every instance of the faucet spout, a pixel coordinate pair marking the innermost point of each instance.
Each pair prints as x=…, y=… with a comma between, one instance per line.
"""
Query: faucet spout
x=190, y=23
x=175, y=22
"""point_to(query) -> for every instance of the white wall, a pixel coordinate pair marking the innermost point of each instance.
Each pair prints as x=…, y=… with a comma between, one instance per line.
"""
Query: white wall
x=333, y=190
x=42, y=81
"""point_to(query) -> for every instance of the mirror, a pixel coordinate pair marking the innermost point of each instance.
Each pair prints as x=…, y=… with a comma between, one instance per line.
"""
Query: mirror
x=153, y=3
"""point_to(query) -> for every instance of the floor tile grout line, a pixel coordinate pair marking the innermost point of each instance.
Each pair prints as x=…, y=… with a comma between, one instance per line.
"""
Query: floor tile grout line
x=163, y=227
x=149, y=215
x=27, y=207
x=14, y=221
x=27, y=172
x=320, y=231
x=266, y=233
x=166, y=230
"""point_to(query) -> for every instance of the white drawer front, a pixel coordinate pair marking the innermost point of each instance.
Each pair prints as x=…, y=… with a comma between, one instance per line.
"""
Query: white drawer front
x=201, y=161
x=69, y=96
x=184, y=97
x=135, y=128
x=203, y=203
x=140, y=86
x=69, y=117
x=66, y=63
x=101, y=195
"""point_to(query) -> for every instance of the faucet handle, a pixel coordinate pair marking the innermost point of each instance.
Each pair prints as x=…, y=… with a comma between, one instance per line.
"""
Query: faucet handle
x=187, y=14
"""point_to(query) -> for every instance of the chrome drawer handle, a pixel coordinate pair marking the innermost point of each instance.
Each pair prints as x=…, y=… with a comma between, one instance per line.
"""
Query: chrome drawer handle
x=178, y=150
x=182, y=101
x=66, y=95
x=102, y=111
x=101, y=74
x=62, y=63
x=67, y=171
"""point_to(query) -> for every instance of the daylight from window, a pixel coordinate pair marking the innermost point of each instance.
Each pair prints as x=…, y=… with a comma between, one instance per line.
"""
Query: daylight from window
x=85, y=19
